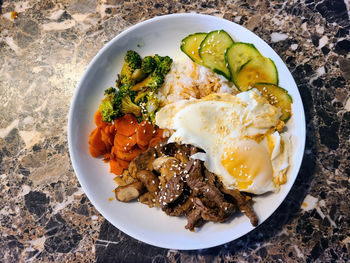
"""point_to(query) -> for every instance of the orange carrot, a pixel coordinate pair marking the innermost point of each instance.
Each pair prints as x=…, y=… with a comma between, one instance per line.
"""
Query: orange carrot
x=121, y=148
x=107, y=140
x=96, y=142
x=144, y=133
x=115, y=167
x=94, y=151
x=126, y=125
x=125, y=140
x=122, y=163
x=128, y=156
x=98, y=118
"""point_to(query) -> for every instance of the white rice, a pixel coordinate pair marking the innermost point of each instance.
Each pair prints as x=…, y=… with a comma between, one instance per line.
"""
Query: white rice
x=187, y=79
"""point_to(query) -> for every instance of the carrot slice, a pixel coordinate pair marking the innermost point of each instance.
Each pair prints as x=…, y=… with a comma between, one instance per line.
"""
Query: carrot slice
x=115, y=167
x=144, y=133
x=96, y=142
x=107, y=140
x=125, y=140
x=112, y=129
x=128, y=156
x=126, y=125
x=122, y=163
x=121, y=148
x=98, y=118
x=154, y=141
x=95, y=152
x=107, y=157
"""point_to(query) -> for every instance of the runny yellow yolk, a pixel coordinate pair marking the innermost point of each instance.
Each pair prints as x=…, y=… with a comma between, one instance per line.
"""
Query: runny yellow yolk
x=247, y=162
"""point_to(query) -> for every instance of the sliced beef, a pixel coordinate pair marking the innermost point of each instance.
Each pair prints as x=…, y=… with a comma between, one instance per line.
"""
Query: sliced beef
x=172, y=189
x=243, y=204
x=194, y=219
x=206, y=188
x=178, y=208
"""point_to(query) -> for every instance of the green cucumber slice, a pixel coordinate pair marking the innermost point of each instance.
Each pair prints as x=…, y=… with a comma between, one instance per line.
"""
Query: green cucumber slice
x=238, y=55
x=212, y=51
x=278, y=97
x=259, y=69
x=190, y=46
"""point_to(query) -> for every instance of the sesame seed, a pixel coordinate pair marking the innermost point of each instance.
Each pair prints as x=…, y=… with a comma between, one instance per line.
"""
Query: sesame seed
x=208, y=190
x=164, y=203
x=153, y=182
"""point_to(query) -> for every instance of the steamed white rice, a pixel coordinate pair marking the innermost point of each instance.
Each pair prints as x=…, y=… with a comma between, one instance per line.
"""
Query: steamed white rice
x=187, y=79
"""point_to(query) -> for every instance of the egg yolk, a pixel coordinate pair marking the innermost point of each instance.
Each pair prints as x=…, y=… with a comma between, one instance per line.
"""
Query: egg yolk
x=248, y=162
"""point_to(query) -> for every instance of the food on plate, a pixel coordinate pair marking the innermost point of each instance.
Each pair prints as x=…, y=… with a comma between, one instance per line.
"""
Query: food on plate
x=181, y=186
x=239, y=135
x=136, y=85
x=199, y=136
x=122, y=141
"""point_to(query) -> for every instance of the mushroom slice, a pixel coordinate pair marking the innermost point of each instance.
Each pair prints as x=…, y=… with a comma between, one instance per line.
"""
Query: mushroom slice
x=129, y=192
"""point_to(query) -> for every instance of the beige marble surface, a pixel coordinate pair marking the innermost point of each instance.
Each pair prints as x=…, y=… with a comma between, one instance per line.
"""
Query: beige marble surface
x=44, y=214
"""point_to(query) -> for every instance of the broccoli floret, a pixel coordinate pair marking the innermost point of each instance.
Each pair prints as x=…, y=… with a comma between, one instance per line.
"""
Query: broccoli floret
x=132, y=61
x=163, y=64
x=148, y=64
x=127, y=106
x=107, y=109
x=153, y=82
x=110, y=90
x=150, y=106
x=141, y=95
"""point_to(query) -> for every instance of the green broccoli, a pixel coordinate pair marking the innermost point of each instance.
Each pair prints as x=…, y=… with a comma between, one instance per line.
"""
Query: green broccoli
x=107, y=109
x=150, y=105
x=132, y=61
x=163, y=64
x=154, y=81
x=127, y=106
x=148, y=64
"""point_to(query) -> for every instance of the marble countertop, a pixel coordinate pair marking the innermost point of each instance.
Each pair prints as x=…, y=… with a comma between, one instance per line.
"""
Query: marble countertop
x=44, y=49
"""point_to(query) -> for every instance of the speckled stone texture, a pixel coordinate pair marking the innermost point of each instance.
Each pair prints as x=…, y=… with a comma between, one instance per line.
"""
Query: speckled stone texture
x=44, y=214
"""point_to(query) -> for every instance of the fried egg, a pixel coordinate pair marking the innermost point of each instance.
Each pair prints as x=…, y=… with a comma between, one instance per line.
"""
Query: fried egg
x=239, y=137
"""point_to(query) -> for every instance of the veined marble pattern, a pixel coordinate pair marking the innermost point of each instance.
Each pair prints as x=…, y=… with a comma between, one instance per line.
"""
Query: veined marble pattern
x=44, y=214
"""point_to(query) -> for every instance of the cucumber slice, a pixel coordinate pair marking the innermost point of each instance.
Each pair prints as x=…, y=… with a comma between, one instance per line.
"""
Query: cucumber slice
x=239, y=54
x=190, y=46
x=212, y=51
x=259, y=69
x=278, y=97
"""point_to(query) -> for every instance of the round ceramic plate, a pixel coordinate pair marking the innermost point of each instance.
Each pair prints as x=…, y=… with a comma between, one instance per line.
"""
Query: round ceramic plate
x=163, y=35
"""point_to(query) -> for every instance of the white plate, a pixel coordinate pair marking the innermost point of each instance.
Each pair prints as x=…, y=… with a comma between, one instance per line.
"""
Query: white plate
x=163, y=35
